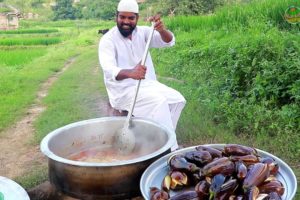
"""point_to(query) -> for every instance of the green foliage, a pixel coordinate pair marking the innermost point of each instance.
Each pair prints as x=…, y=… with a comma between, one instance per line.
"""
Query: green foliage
x=101, y=9
x=236, y=16
x=37, y=3
x=4, y=10
x=257, y=73
x=64, y=9
x=183, y=7
x=243, y=69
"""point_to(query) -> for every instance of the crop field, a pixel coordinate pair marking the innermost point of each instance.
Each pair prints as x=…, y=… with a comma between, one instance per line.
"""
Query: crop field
x=18, y=57
x=29, y=41
x=29, y=31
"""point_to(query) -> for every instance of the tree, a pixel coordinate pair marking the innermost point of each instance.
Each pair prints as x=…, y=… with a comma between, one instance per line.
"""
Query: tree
x=188, y=7
x=64, y=10
x=100, y=9
x=37, y=3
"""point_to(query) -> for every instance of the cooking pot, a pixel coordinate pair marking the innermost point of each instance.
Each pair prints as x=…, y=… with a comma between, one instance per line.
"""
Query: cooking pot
x=103, y=180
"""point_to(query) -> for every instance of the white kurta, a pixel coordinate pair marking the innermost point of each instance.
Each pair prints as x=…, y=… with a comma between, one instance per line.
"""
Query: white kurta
x=155, y=101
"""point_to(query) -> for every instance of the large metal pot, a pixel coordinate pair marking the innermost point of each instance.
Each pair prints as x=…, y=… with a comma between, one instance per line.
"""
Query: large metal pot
x=114, y=180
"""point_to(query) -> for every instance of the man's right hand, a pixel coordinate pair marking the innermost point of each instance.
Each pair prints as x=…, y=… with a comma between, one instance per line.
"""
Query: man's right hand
x=137, y=73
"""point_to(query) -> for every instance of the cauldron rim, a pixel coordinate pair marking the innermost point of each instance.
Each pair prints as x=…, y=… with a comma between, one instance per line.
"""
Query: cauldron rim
x=51, y=155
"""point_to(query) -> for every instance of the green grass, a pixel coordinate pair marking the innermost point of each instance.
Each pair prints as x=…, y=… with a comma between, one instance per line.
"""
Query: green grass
x=66, y=24
x=18, y=87
x=74, y=96
x=241, y=72
x=18, y=57
x=33, y=178
x=29, y=31
x=29, y=41
x=20, y=81
x=237, y=16
x=4, y=10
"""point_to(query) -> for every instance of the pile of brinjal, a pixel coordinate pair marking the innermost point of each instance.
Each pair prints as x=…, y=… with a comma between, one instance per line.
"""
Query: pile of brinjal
x=235, y=172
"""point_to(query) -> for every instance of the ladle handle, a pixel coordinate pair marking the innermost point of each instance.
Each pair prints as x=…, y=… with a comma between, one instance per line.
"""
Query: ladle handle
x=139, y=82
x=148, y=45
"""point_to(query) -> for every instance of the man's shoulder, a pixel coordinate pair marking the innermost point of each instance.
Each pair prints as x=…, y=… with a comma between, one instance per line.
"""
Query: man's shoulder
x=142, y=31
x=143, y=28
x=110, y=34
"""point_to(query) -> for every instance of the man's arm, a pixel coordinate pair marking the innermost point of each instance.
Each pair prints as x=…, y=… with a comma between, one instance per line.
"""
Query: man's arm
x=166, y=35
x=137, y=73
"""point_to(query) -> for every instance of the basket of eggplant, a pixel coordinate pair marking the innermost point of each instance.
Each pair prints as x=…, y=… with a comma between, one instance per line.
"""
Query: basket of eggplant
x=230, y=171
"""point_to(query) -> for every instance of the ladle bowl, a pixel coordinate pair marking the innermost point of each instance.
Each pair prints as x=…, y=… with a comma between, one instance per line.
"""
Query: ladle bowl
x=103, y=180
x=124, y=141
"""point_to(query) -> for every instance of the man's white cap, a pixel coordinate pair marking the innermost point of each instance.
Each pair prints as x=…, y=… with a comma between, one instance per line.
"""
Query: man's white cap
x=128, y=6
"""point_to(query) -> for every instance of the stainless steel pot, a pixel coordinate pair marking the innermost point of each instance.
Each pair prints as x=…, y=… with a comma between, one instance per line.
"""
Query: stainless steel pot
x=114, y=180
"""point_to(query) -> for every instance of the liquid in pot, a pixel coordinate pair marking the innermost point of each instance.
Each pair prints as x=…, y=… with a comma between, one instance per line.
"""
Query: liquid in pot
x=101, y=155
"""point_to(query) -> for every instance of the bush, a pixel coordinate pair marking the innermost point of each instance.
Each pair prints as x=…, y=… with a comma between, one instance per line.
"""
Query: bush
x=245, y=75
x=253, y=71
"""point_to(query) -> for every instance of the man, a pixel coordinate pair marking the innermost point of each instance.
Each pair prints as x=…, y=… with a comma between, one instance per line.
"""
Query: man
x=120, y=53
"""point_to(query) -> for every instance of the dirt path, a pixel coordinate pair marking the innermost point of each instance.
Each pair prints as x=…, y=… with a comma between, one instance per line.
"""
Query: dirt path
x=18, y=155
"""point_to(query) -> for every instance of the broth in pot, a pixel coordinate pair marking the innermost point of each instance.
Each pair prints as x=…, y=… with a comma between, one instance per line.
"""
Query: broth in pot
x=101, y=155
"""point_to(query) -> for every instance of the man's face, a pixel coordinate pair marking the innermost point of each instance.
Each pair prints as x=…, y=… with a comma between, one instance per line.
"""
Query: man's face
x=126, y=22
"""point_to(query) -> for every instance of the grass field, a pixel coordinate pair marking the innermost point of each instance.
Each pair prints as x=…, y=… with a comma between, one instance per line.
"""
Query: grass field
x=29, y=41
x=23, y=68
x=29, y=31
x=18, y=57
x=75, y=95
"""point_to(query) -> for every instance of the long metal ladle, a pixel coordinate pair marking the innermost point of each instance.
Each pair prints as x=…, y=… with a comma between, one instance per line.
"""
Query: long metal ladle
x=124, y=138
